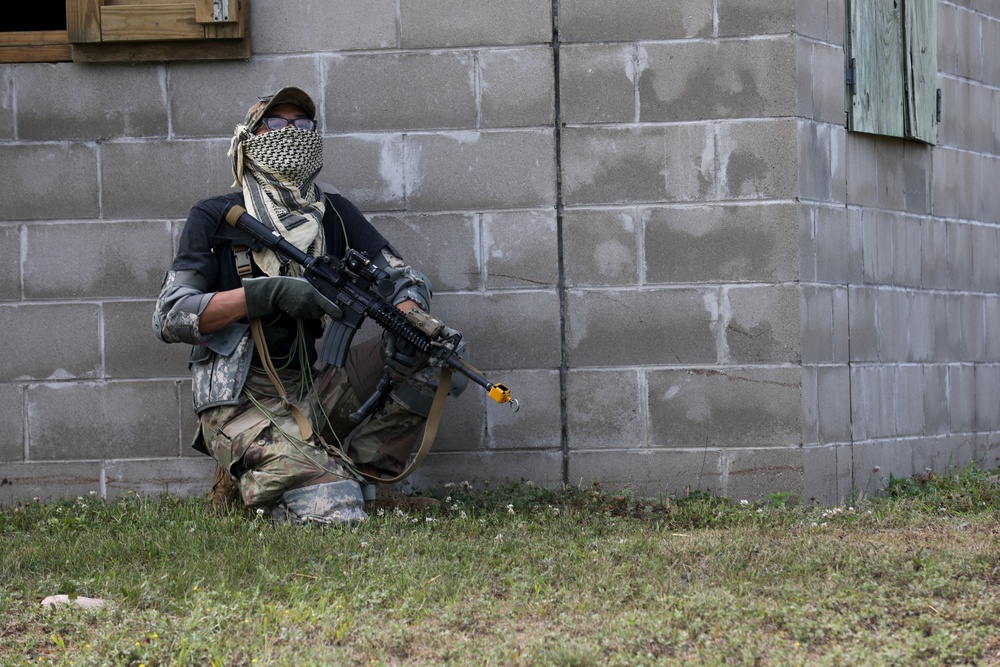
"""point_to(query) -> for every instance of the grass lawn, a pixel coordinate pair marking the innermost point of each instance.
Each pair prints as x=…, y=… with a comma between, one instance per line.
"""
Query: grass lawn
x=516, y=575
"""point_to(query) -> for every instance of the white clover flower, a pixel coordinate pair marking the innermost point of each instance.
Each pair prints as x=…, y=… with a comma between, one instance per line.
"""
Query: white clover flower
x=380, y=511
x=450, y=485
x=463, y=515
x=364, y=544
x=260, y=511
x=466, y=486
x=510, y=509
x=744, y=502
x=498, y=539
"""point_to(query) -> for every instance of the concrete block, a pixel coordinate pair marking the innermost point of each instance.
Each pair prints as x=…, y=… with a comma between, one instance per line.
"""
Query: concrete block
x=25, y=482
x=970, y=185
x=723, y=243
x=756, y=17
x=725, y=407
x=917, y=177
x=455, y=23
x=211, y=101
x=72, y=421
x=910, y=401
x=949, y=454
x=130, y=348
x=838, y=163
x=53, y=181
x=644, y=164
x=520, y=249
x=183, y=477
x=517, y=87
x=162, y=179
x=987, y=378
x=947, y=337
x=991, y=45
x=877, y=246
x=968, y=47
x=50, y=342
x=826, y=475
x=962, y=397
x=828, y=83
x=838, y=247
x=810, y=405
x=631, y=20
x=921, y=309
x=444, y=246
x=757, y=159
x=889, y=173
x=516, y=330
x=811, y=19
x=758, y=473
x=597, y=83
x=73, y=101
x=815, y=177
x=960, y=255
x=611, y=328
x=604, y=409
x=463, y=426
x=335, y=25
x=401, y=91
x=873, y=407
x=601, y=247
x=651, y=473
x=817, y=323
x=947, y=38
x=807, y=243
x=7, y=101
x=834, y=394
x=10, y=263
x=762, y=324
x=536, y=424
x=874, y=462
x=483, y=469
x=480, y=170
x=934, y=255
x=108, y=259
x=893, y=326
x=973, y=327
x=863, y=323
x=991, y=174
x=11, y=422
x=367, y=169
x=935, y=390
x=991, y=303
x=697, y=80
x=985, y=250
x=862, y=188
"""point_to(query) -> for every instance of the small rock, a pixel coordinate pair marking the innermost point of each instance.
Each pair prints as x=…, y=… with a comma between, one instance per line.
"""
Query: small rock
x=86, y=603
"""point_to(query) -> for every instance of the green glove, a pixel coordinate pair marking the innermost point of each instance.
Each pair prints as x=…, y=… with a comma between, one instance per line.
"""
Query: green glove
x=294, y=297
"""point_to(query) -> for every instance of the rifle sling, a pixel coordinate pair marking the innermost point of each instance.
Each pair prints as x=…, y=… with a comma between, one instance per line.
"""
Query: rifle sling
x=244, y=270
x=430, y=432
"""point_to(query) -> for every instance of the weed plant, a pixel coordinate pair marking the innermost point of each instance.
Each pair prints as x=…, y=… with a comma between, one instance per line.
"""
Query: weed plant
x=514, y=575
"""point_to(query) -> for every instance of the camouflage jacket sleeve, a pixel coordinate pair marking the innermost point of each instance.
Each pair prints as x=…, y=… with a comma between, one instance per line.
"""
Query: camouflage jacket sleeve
x=219, y=361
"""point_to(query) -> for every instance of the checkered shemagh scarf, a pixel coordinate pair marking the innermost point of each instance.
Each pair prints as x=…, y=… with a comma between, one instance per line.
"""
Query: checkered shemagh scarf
x=277, y=170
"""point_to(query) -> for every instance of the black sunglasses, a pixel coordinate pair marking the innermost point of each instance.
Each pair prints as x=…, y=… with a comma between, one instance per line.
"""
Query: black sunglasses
x=279, y=123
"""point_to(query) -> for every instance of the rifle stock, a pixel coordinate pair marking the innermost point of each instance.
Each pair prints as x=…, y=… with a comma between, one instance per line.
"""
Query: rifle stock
x=361, y=290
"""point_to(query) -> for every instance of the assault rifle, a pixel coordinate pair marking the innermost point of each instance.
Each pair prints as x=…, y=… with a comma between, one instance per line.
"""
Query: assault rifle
x=361, y=289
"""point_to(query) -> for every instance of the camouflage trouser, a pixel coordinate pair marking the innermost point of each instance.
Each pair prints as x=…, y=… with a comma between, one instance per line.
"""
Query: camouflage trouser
x=259, y=442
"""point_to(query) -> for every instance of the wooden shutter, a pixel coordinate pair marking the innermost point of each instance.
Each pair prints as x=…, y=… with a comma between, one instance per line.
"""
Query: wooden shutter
x=102, y=30
x=892, y=54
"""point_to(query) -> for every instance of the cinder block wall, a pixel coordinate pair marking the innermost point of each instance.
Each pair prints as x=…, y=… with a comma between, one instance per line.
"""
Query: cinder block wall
x=649, y=220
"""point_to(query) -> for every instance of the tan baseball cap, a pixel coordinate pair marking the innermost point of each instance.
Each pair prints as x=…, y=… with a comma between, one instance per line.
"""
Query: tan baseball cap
x=290, y=95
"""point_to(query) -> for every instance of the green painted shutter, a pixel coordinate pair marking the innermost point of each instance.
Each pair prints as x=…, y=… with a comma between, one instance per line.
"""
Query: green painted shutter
x=892, y=46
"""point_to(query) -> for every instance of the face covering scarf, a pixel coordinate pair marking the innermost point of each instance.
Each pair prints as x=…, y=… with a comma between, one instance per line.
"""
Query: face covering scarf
x=277, y=170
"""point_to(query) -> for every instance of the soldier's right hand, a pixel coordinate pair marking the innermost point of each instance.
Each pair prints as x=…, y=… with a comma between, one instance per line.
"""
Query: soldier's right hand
x=294, y=297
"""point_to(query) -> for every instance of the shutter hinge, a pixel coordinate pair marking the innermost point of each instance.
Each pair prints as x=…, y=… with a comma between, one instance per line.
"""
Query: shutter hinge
x=851, y=76
x=938, y=107
x=220, y=11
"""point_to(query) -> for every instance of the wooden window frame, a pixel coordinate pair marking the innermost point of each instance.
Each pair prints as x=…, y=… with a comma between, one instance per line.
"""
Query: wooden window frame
x=137, y=31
